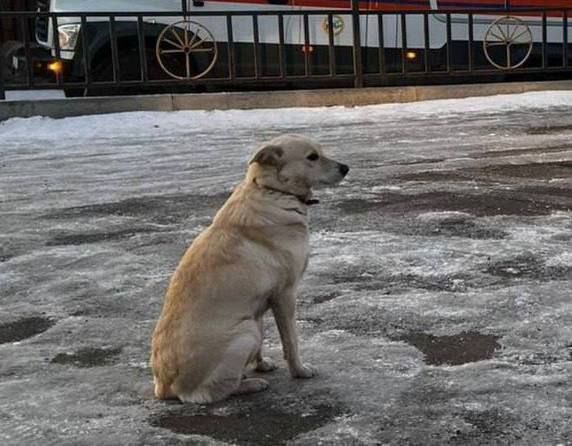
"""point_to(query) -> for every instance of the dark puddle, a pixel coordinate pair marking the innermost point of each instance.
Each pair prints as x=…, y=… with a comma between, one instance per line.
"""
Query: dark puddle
x=358, y=205
x=517, y=152
x=88, y=357
x=491, y=203
x=530, y=170
x=549, y=191
x=261, y=426
x=528, y=266
x=159, y=209
x=544, y=358
x=325, y=297
x=388, y=284
x=9, y=251
x=453, y=350
x=458, y=227
x=562, y=169
x=429, y=283
x=493, y=426
x=5, y=257
x=547, y=129
x=96, y=237
x=433, y=176
x=24, y=328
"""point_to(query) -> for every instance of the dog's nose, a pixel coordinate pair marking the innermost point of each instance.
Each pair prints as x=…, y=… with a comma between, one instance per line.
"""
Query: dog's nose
x=344, y=169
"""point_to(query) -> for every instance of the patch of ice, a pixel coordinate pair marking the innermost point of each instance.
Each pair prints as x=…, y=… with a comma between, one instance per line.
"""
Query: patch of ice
x=444, y=215
x=564, y=259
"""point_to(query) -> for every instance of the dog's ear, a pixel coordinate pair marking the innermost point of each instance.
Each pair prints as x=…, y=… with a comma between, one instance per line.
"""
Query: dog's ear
x=269, y=155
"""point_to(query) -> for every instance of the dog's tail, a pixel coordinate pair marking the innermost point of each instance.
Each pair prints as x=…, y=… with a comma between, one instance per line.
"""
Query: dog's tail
x=163, y=391
x=163, y=384
x=164, y=373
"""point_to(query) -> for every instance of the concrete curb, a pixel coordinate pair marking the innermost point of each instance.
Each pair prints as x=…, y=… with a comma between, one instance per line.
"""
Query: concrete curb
x=61, y=108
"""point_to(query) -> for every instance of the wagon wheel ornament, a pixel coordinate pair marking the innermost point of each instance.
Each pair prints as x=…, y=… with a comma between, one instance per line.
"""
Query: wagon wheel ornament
x=186, y=50
x=514, y=36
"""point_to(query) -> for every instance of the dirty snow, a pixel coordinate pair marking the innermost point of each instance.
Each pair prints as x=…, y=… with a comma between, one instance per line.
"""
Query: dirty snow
x=436, y=306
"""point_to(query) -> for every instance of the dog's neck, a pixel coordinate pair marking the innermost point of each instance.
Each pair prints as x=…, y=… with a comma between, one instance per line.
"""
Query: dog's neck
x=302, y=199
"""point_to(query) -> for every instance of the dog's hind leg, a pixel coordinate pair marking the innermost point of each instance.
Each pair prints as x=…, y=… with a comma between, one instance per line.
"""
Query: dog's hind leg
x=226, y=378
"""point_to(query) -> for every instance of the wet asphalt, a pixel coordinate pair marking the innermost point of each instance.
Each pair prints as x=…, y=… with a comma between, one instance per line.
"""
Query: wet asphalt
x=451, y=326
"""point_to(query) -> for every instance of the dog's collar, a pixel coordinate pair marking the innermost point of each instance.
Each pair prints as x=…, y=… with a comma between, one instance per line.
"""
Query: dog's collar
x=301, y=199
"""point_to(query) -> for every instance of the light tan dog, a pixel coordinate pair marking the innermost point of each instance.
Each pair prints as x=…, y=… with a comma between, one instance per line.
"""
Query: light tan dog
x=250, y=259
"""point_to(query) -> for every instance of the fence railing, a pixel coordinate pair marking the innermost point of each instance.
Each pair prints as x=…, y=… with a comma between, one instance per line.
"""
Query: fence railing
x=91, y=52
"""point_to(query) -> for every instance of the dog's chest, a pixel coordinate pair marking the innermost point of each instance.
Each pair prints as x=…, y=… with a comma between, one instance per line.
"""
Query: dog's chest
x=300, y=253
x=297, y=249
x=281, y=252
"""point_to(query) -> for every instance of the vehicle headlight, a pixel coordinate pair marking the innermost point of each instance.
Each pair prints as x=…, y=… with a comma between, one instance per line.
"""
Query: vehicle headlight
x=68, y=35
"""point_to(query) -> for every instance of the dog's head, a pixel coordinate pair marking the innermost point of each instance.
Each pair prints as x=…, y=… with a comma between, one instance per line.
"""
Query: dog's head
x=294, y=164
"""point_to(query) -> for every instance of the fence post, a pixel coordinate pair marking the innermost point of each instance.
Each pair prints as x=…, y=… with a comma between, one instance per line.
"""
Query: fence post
x=358, y=68
x=2, y=68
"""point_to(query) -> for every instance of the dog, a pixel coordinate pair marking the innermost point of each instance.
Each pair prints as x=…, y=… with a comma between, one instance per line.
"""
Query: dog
x=250, y=259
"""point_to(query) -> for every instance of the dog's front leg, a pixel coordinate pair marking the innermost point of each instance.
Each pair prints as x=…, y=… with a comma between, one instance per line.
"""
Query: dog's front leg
x=284, y=310
x=263, y=364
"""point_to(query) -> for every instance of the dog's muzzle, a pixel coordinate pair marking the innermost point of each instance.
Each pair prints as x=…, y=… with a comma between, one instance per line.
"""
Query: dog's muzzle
x=344, y=169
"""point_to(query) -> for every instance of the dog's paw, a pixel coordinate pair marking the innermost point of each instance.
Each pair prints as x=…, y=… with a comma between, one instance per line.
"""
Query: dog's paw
x=304, y=372
x=265, y=365
x=251, y=385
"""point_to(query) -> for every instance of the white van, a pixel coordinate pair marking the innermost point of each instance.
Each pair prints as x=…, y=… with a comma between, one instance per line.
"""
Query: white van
x=164, y=39
x=204, y=46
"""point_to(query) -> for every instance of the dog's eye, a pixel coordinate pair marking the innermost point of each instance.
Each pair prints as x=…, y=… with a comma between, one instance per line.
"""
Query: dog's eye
x=313, y=157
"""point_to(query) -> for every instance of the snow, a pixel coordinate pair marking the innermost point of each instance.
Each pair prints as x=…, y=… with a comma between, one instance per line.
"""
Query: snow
x=154, y=124
x=454, y=221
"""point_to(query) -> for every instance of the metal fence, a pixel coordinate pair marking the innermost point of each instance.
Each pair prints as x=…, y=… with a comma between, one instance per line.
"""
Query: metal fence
x=136, y=51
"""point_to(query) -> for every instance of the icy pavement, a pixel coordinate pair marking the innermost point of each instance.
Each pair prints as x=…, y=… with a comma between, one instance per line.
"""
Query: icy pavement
x=437, y=305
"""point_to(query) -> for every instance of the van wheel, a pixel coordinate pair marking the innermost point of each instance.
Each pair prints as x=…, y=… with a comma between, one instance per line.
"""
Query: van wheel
x=74, y=92
x=7, y=50
x=129, y=70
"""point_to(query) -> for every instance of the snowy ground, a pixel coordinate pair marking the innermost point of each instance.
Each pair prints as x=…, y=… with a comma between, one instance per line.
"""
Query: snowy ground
x=437, y=304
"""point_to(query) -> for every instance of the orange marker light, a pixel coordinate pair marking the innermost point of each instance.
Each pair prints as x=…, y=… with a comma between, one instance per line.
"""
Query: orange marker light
x=411, y=55
x=56, y=67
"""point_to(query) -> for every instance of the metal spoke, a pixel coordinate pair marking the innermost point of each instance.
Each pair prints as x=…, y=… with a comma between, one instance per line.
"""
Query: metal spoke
x=521, y=34
x=176, y=34
x=203, y=50
x=188, y=56
x=187, y=31
x=198, y=43
x=514, y=30
x=494, y=44
x=499, y=28
x=176, y=45
x=195, y=35
x=501, y=39
x=507, y=31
